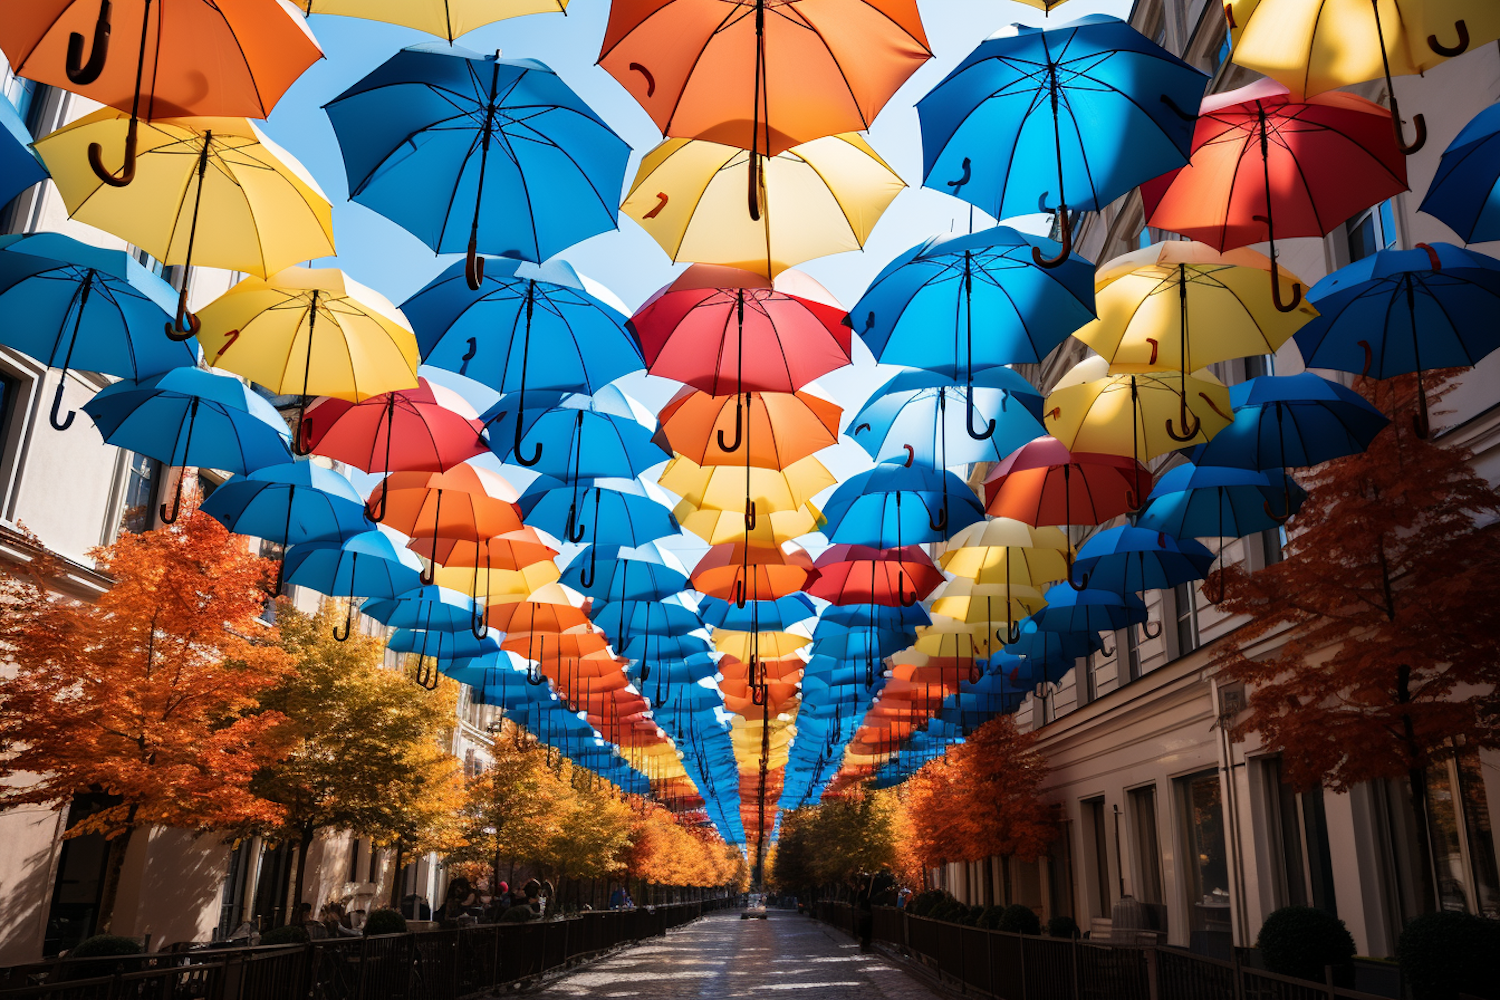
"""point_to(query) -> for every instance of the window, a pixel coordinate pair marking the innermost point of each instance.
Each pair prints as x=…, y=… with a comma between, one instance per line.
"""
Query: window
x=1147, y=844
x=1060, y=872
x=374, y=863
x=1098, y=834
x=232, y=899
x=1132, y=656
x=143, y=477
x=1462, y=845
x=1273, y=545
x=79, y=886
x=1087, y=680
x=1371, y=230
x=353, y=859
x=10, y=394
x=1185, y=603
x=1302, y=864
x=1201, y=809
x=1259, y=364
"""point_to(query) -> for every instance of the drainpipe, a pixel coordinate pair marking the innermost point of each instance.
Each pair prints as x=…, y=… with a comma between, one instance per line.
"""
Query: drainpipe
x=1232, y=816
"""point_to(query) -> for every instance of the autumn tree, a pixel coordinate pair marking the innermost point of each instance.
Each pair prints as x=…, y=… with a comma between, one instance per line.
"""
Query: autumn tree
x=148, y=695
x=837, y=840
x=1384, y=616
x=367, y=747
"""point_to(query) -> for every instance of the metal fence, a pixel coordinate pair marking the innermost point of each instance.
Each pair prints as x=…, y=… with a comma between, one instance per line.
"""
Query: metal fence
x=1028, y=967
x=428, y=965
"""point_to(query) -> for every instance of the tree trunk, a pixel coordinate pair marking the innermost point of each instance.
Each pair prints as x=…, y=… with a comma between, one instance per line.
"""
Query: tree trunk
x=114, y=866
x=306, y=834
x=1417, y=777
x=396, y=875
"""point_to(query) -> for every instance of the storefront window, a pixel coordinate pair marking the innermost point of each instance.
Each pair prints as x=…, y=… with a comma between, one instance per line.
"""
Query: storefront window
x=1207, y=858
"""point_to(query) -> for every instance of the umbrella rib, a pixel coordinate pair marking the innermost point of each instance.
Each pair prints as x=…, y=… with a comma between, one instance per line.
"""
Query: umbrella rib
x=733, y=14
x=804, y=22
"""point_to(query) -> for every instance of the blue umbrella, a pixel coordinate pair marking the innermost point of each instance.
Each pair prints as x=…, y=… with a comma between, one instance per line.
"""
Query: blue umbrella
x=927, y=416
x=578, y=437
x=610, y=512
x=623, y=619
x=296, y=502
x=868, y=509
x=1465, y=192
x=664, y=647
x=862, y=645
x=435, y=128
x=1074, y=116
x=779, y=614
x=1072, y=610
x=1292, y=420
x=73, y=305
x=333, y=567
x=881, y=616
x=1038, y=644
x=159, y=416
x=1370, y=312
x=1127, y=560
x=434, y=608
x=497, y=678
x=688, y=669
x=20, y=167
x=644, y=573
x=985, y=282
x=439, y=647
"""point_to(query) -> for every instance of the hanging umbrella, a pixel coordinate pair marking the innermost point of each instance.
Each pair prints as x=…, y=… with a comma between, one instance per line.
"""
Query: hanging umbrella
x=780, y=613
x=1096, y=411
x=313, y=332
x=427, y=429
x=1127, y=560
x=1203, y=501
x=990, y=603
x=493, y=582
x=19, y=166
x=71, y=305
x=814, y=199
x=435, y=609
x=1045, y=483
x=215, y=192
x=867, y=508
x=911, y=415
x=444, y=647
x=626, y=618
x=445, y=18
x=512, y=550
x=1371, y=310
x=1072, y=610
x=333, y=567
x=878, y=616
x=1264, y=164
x=196, y=58
x=1324, y=44
x=1465, y=192
x=535, y=615
x=1292, y=420
x=577, y=438
x=726, y=330
x=861, y=574
x=643, y=573
x=465, y=502
x=782, y=497
x=428, y=131
x=1047, y=647
x=785, y=427
x=235, y=429
x=609, y=512
x=1088, y=109
x=1002, y=548
x=734, y=571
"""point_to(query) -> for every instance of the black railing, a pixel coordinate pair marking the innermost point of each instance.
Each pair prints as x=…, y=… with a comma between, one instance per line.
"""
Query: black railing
x=1029, y=967
x=426, y=965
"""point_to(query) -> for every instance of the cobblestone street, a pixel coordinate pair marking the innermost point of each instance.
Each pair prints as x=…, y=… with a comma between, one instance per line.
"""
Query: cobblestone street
x=724, y=956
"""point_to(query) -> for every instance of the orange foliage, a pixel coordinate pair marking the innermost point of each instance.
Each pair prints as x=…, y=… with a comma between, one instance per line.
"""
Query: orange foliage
x=664, y=851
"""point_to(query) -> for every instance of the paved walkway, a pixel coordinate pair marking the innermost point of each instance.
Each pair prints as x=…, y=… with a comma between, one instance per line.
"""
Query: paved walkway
x=724, y=956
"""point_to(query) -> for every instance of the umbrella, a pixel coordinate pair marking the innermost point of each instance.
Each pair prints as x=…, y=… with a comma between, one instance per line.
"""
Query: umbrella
x=1089, y=405
x=609, y=512
x=418, y=134
x=818, y=198
x=861, y=574
x=427, y=429
x=1127, y=559
x=433, y=609
x=1071, y=610
x=313, y=329
x=521, y=581
x=878, y=616
x=1465, y=192
x=1292, y=420
x=295, y=502
x=780, y=613
x=910, y=415
x=588, y=342
x=260, y=210
x=867, y=509
x=201, y=58
x=1001, y=549
x=19, y=165
x=1324, y=44
x=236, y=429
x=445, y=18
x=645, y=573
x=784, y=426
x=972, y=603
x=696, y=330
x=623, y=619
x=441, y=646
x=578, y=438
x=47, y=282
x=1046, y=647
x=1265, y=164
x=1094, y=97
x=535, y=615
x=464, y=502
x=736, y=571
x=333, y=567
x=1371, y=310
x=1205, y=501
x=512, y=550
x=781, y=496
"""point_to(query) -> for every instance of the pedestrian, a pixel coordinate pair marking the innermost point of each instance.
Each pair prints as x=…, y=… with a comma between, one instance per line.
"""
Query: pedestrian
x=617, y=898
x=500, y=902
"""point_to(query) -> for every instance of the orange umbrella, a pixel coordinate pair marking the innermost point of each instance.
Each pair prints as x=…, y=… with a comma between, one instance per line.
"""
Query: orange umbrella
x=513, y=550
x=733, y=571
x=535, y=616
x=552, y=647
x=763, y=75
x=464, y=502
x=781, y=427
x=167, y=59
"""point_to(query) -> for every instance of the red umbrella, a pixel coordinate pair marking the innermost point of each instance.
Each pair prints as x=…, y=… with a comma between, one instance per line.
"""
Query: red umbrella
x=1043, y=482
x=1322, y=159
x=862, y=574
x=427, y=429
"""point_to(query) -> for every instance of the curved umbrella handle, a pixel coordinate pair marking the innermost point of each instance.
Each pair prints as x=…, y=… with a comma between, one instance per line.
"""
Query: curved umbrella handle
x=1146, y=632
x=901, y=590
x=1432, y=42
x=1131, y=507
x=348, y=623
x=65, y=422
x=575, y=527
x=739, y=427
x=463, y=369
x=127, y=166
x=1418, y=121
x=739, y=594
x=974, y=432
x=941, y=524
x=377, y=514
x=750, y=516
x=184, y=325
x=588, y=577
x=1012, y=633
x=1104, y=649
x=1281, y=306
x=1190, y=424
x=84, y=73
x=516, y=447
x=1065, y=227
x=1286, y=503
x=1077, y=586
x=479, y=624
x=474, y=265
x=171, y=517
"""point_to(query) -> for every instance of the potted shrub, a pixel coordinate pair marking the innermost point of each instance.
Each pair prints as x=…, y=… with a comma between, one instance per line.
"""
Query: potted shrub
x=385, y=922
x=1444, y=955
x=1301, y=941
x=1019, y=919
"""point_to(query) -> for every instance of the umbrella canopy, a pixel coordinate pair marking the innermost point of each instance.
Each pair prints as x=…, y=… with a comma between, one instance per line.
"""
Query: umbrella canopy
x=190, y=417
x=445, y=18
x=436, y=608
x=1203, y=501
x=427, y=429
x=1465, y=192
x=215, y=192
x=464, y=502
x=867, y=508
x=1045, y=483
x=1135, y=414
x=71, y=305
x=779, y=614
x=644, y=573
x=776, y=429
x=435, y=129
x=19, y=166
x=1126, y=560
x=1292, y=420
x=985, y=281
x=747, y=573
x=512, y=550
x=623, y=619
x=973, y=603
x=579, y=438
x=1002, y=550
x=1044, y=647
x=334, y=567
x=1071, y=117
x=861, y=574
x=817, y=198
x=1071, y=610
x=1370, y=313
x=608, y=512
x=763, y=75
x=727, y=330
x=441, y=646
x=535, y=615
x=926, y=416
x=776, y=494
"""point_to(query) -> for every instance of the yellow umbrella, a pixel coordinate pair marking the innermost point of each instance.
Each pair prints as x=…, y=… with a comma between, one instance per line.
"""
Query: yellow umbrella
x=956, y=639
x=1003, y=549
x=497, y=585
x=311, y=330
x=710, y=494
x=1317, y=45
x=209, y=191
x=763, y=645
x=445, y=18
x=1132, y=413
x=977, y=603
x=718, y=526
x=818, y=198
x=1146, y=322
x=1045, y=6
